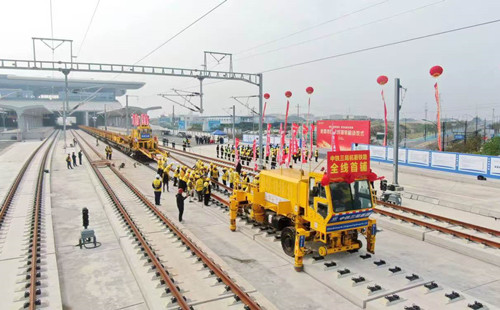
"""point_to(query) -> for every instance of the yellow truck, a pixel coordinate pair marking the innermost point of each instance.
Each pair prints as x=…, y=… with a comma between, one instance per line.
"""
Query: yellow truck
x=315, y=213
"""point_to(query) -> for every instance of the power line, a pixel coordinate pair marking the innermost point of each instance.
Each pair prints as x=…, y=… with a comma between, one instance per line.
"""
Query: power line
x=382, y=45
x=88, y=28
x=311, y=27
x=178, y=33
x=339, y=32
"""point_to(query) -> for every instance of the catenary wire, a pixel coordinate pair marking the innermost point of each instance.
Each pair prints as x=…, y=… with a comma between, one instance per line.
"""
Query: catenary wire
x=339, y=32
x=311, y=27
x=88, y=27
x=180, y=32
x=382, y=46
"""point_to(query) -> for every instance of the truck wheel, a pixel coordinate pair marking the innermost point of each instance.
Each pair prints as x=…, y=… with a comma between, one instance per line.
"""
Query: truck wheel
x=288, y=240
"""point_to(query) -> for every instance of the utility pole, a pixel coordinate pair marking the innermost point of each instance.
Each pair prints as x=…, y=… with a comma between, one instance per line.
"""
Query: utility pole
x=425, y=124
x=405, y=132
x=234, y=120
x=105, y=118
x=127, y=116
x=173, y=116
x=465, y=132
x=443, y=135
x=261, y=94
x=397, y=108
x=65, y=103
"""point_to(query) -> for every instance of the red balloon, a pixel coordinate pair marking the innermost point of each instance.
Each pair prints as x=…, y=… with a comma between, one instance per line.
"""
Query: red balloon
x=436, y=71
x=382, y=80
x=309, y=90
x=288, y=94
x=266, y=96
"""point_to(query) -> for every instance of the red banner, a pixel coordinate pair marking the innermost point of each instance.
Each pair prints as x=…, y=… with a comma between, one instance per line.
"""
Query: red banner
x=312, y=134
x=236, y=151
x=135, y=120
x=347, y=132
x=385, y=119
x=268, y=140
x=282, y=142
x=348, y=164
x=438, y=121
x=293, y=143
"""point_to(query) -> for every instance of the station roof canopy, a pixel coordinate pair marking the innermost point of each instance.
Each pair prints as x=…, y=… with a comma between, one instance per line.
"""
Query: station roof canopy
x=57, y=105
x=48, y=85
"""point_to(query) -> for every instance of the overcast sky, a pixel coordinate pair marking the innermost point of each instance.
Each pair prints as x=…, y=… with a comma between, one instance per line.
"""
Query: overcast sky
x=123, y=31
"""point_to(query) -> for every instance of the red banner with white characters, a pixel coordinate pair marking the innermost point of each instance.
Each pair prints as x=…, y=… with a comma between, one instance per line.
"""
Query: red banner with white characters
x=144, y=119
x=335, y=141
x=347, y=132
x=268, y=140
x=438, y=120
x=135, y=120
x=305, y=130
x=344, y=163
x=236, y=150
x=293, y=143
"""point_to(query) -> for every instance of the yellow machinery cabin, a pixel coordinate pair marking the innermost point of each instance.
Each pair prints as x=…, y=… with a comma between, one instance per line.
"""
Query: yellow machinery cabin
x=141, y=141
x=311, y=217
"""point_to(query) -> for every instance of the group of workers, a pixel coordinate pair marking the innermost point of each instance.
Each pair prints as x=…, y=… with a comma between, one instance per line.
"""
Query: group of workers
x=197, y=182
x=228, y=152
x=72, y=158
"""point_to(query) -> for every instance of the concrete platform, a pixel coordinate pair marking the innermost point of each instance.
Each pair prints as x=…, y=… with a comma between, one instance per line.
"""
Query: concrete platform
x=261, y=261
x=99, y=277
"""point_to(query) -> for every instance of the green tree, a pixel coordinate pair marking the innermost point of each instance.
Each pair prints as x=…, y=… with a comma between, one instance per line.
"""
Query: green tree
x=492, y=147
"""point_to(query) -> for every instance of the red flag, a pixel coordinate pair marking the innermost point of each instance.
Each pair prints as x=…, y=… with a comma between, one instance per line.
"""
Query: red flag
x=311, y=137
x=268, y=140
x=286, y=115
x=385, y=118
x=438, y=117
x=264, y=111
x=236, y=152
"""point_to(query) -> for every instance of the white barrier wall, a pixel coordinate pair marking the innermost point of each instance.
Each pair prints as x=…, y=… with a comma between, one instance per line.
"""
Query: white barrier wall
x=488, y=166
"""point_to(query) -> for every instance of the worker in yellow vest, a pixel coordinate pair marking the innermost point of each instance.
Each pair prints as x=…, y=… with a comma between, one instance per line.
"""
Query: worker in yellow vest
x=236, y=180
x=176, y=175
x=206, y=191
x=157, y=189
x=199, y=187
x=225, y=176
x=215, y=177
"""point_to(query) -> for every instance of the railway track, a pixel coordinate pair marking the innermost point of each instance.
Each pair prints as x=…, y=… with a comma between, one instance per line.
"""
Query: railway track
x=471, y=232
x=22, y=214
x=191, y=278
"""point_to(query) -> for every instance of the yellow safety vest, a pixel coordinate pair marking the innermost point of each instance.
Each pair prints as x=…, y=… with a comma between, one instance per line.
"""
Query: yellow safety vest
x=157, y=185
x=199, y=184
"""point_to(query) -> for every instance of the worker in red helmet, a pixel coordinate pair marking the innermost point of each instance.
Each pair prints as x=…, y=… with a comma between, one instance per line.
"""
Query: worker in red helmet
x=180, y=203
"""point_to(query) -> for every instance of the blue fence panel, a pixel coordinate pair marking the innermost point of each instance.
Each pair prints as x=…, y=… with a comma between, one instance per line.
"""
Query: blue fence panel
x=471, y=164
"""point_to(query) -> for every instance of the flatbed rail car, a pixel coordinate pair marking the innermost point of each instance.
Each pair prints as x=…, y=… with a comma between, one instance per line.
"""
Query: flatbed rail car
x=140, y=142
x=315, y=213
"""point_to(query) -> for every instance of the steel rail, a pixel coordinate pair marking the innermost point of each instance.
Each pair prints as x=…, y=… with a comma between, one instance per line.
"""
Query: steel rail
x=13, y=188
x=226, y=163
x=35, y=230
x=240, y=293
x=408, y=219
x=440, y=228
x=441, y=218
x=179, y=298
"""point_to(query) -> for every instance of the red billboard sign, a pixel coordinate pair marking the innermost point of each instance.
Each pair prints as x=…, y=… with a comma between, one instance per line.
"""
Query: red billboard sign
x=343, y=163
x=348, y=132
